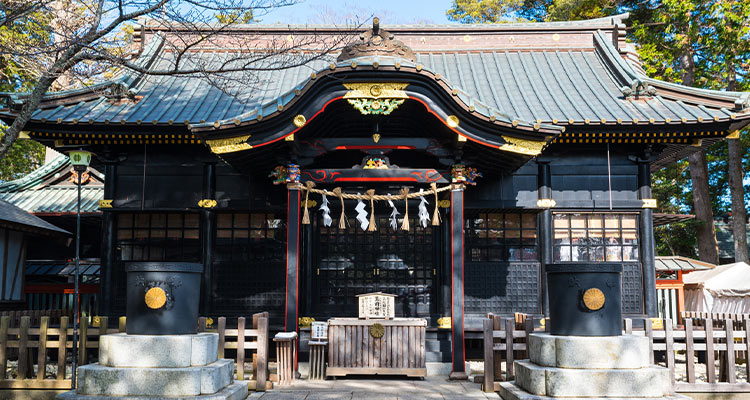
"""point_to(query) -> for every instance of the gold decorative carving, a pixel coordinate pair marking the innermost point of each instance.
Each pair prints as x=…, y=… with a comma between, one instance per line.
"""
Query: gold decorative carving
x=444, y=204
x=155, y=298
x=593, y=299
x=376, y=98
x=376, y=41
x=376, y=90
x=452, y=121
x=522, y=146
x=734, y=135
x=375, y=137
x=377, y=330
x=229, y=145
x=289, y=138
x=207, y=203
x=648, y=203
x=105, y=203
x=305, y=322
x=300, y=120
x=308, y=203
x=546, y=203
x=444, y=323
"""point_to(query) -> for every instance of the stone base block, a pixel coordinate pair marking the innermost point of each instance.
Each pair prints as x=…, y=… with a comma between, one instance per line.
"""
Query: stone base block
x=589, y=352
x=158, y=351
x=559, y=382
x=235, y=391
x=509, y=391
x=97, y=379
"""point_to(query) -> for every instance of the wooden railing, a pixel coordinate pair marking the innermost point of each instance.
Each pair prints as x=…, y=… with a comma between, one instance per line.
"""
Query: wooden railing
x=30, y=345
x=505, y=340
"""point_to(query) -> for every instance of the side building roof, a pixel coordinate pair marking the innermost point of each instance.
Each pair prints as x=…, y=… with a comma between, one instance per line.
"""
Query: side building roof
x=50, y=189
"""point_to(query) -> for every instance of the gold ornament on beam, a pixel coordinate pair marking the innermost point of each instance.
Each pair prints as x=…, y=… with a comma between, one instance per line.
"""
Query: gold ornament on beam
x=229, y=145
x=378, y=98
x=522, y=146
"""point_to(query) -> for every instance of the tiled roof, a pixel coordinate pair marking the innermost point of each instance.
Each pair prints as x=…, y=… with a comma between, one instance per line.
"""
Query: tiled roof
x=34, y=194
x=13, y=217
x=592, y=85
x=677, y=263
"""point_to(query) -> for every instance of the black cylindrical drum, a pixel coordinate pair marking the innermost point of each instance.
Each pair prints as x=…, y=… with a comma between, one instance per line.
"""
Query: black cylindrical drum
x=585, y=299
x=163, y=298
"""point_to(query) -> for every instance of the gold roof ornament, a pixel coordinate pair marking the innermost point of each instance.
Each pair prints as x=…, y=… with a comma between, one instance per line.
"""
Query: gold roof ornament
x=376, y=41
x=229, y=145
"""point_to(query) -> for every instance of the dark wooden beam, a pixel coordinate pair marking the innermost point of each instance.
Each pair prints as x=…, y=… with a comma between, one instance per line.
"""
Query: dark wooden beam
x=292, y=258
x=457, y=284
x=647, y=243
x=208, y=239
x=544, y=189
x=109, y=243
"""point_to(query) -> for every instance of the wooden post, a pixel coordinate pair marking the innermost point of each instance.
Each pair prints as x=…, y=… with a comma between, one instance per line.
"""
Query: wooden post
x=23, y=349
x=647, y=243
x=241, y=348
x=261, y=373
x=510, y=325
x=650, y=335
x=42, y=348
x=710, y=362
x=457, y=283
x=669, y=339
x=103, y=325
x=746, y=328
x=83, y=340
x=730, y=369
x=4, y=323
x=62, y=348
x=529, y=329
x=628, y=326
x=108, y=275
x=222, y=338
x=689, y=350
x=489, y=357
x=497, y=325
x=121, y=324
x=208, y=239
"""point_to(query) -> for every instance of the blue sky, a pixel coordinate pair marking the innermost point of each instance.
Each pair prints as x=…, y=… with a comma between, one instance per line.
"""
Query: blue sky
x=342, y=11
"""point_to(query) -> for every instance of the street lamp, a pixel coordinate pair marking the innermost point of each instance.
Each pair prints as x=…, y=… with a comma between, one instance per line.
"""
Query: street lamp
x=80, y=160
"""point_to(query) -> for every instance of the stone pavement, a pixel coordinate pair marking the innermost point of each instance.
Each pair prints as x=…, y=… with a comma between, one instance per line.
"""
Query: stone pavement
x=433, y=387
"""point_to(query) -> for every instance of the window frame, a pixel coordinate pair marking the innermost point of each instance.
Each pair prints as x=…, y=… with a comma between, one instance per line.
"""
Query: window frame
x=586, y=243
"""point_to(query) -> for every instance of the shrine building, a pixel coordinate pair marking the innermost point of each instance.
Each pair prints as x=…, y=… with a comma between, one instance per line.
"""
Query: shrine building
x=444, y=164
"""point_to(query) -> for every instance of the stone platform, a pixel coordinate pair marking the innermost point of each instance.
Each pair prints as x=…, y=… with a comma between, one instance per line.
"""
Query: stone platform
x=140, y=367
x=578, y=367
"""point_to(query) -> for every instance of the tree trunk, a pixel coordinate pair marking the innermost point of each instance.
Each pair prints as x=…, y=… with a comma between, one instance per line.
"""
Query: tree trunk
x=736, y=186
x=708, y=249
x=737, y=190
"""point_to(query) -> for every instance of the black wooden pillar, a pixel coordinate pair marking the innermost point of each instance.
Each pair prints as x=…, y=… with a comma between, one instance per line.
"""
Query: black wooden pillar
x=446, y=277
x=544, y=189
x=292, y=257
x=208, y=238
x=647, y=245
x=457, y=283
x=109, y=237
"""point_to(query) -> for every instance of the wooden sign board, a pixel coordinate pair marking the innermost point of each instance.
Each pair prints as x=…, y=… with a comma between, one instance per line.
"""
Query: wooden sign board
x=319, y=331
x=376, y=305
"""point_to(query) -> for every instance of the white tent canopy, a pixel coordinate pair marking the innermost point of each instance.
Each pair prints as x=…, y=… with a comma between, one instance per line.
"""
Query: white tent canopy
x=724, y=289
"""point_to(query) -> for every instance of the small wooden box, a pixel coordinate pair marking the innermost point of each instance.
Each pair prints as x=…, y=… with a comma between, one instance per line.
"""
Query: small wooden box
x=376, y=305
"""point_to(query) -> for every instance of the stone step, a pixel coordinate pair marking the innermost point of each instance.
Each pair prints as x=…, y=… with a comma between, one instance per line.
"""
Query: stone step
x=158, y=351
x=592, y=352
x=236, y=391
x=95, y=379
x=651, y=381
x=509, y=391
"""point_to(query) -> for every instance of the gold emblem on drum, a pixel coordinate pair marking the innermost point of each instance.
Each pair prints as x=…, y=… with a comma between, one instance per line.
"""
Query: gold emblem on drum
x=377, y=330
x=593, y=299
x=155, y=298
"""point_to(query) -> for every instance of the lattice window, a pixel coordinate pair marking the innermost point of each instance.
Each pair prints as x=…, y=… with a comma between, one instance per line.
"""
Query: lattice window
x=595, y=237
x=158, y=237
x=500, y=237
x=632, y=288
x=502, y=287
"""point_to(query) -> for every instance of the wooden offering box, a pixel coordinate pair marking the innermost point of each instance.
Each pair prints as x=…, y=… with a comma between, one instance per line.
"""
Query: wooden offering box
x=376, y=347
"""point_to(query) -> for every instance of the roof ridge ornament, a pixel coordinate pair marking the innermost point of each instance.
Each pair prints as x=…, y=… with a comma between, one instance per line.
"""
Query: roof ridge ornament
x=376, y=41
x=638, y=88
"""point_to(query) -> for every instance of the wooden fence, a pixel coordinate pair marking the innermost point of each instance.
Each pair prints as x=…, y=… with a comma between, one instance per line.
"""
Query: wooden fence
x=505, y=340
x=35, y=346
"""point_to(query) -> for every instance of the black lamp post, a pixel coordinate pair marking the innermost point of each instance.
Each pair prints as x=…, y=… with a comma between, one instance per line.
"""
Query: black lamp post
x=80, y=160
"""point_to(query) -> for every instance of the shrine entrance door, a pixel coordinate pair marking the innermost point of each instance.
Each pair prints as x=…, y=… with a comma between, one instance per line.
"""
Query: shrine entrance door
x=348, y=262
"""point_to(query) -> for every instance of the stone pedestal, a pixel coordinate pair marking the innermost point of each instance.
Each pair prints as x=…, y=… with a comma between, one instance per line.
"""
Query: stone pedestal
x=584, y=367
x=158, y=366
